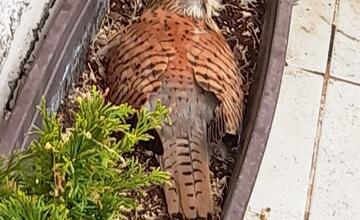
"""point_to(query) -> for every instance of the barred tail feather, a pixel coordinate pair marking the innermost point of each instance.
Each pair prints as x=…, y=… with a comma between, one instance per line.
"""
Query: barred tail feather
x=186, y=158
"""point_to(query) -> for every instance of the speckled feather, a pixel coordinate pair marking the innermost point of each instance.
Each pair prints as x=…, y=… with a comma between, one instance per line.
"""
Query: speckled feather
x=186, y=63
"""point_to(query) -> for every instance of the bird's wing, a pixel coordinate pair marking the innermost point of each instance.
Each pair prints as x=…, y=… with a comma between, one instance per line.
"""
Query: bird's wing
x=215, y=70
x=138, y=56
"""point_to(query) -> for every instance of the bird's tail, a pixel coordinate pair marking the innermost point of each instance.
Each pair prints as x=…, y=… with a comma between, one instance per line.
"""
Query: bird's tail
x=186, y=159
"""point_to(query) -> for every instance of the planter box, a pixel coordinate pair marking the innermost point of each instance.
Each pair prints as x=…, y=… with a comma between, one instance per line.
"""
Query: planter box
x=58, y=58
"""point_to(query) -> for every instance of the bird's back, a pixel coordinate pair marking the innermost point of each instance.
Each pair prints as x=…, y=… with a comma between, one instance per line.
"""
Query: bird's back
x=190, y=68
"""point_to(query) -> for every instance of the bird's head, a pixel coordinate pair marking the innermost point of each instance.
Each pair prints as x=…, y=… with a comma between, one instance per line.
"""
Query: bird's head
x=199, y=9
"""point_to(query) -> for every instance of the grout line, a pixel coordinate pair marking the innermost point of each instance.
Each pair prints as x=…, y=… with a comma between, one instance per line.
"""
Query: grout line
x=348, y=36
x=303, y=68
x=306, y=70
x=314, y=72
x=339, y=79
x=321, y=115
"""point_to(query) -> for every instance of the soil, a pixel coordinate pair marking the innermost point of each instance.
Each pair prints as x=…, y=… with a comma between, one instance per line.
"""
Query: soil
x=241, y=25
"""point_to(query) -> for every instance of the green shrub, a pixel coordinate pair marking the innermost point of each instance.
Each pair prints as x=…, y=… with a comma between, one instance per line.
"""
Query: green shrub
x=80, y=173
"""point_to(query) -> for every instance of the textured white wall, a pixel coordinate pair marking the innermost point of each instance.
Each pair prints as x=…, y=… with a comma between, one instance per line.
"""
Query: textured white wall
x=10, y=14
x=18, y=19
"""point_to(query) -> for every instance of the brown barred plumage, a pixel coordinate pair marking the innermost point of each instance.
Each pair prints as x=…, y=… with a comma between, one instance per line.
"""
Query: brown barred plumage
x=185, y=62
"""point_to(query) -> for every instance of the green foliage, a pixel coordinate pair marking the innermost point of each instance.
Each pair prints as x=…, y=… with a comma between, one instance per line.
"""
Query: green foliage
x=80, y=173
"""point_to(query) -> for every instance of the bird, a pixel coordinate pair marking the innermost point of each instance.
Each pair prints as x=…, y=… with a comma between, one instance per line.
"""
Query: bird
x=175, y=53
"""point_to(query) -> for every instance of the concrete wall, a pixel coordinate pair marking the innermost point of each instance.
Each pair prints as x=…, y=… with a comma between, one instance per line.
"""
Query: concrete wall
x=19, y=21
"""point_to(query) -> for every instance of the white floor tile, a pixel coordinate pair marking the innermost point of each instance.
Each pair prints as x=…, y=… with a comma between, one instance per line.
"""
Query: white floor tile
x=281, y=188
x=337, y=181
x=348, y=17
x=346, y=58
x=310, y=34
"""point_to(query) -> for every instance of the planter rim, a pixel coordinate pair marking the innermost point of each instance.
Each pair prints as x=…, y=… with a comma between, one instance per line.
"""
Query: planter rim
x=271, y=62
x=46, y=71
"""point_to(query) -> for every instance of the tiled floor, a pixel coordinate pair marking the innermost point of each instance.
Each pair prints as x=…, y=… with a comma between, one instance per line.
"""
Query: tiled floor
x=337, y=182
x=311, y=168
